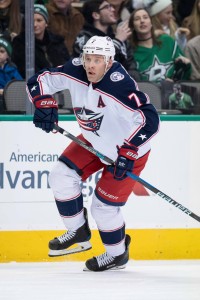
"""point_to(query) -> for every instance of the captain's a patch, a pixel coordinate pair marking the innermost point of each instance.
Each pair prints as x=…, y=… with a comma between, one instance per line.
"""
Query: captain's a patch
x=116, y=76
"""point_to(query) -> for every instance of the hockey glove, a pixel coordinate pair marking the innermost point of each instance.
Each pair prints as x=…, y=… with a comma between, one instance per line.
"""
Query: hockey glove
x=127, y=154
x=46, y=112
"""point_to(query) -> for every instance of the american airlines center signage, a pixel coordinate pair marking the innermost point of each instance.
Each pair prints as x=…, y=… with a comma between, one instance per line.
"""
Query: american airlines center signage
x=28, y=154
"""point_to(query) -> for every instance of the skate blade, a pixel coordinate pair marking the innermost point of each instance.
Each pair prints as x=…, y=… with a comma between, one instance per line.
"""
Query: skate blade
x=111, y=269
x=80, y=248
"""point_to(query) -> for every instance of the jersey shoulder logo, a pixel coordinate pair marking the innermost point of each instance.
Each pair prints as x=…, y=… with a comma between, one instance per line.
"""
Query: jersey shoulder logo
x=77, y=61
x=116, y=76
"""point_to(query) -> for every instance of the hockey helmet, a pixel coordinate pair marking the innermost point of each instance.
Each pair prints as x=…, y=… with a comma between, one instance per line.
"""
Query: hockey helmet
x=101, y=45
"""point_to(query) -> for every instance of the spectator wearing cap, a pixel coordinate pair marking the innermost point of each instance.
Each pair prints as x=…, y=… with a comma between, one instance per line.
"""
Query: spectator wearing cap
x=8, y=70
x=163, y=20
x=50, y=49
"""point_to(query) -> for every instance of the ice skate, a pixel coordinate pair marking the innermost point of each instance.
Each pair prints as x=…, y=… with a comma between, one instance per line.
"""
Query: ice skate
x=105, y=261
x=60, y=245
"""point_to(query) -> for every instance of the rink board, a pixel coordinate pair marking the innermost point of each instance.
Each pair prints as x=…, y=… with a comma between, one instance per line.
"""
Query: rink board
x=147, y=244
x=28, y=214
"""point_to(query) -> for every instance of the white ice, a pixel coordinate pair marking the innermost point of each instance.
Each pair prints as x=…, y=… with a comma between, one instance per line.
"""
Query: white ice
x=141, y=280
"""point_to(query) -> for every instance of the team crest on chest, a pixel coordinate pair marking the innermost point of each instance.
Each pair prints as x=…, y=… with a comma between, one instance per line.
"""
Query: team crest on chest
x=116, y=76
x=157, y=70
x=88, y=120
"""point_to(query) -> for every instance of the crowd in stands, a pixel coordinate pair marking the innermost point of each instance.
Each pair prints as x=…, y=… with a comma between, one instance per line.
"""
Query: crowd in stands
x=50, y=49
x=157, y=56
x=157, y=41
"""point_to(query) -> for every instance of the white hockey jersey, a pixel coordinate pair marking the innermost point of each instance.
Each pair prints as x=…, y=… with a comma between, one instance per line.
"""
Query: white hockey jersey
x=109, y=112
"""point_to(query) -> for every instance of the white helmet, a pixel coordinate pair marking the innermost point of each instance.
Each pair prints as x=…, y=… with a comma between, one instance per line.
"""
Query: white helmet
x=101, y=45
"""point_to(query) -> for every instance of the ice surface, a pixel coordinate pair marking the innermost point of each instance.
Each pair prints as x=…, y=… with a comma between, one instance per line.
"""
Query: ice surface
x=141, y=280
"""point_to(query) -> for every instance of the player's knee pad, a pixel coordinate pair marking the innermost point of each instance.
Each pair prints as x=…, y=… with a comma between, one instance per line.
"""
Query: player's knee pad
x=65, y=182
x=106, y=216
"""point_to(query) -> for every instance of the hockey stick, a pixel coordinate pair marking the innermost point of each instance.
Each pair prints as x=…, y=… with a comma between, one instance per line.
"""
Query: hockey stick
x=133, y=176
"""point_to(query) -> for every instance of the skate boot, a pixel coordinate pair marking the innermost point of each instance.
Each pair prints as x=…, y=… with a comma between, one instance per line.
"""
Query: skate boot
x=59, y=245
x=106, y=261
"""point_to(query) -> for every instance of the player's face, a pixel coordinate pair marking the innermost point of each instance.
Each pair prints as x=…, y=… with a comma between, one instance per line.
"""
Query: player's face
x=142, y=23
x=95, y=66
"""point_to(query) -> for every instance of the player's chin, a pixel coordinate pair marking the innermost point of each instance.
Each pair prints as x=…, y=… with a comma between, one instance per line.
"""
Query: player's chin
x=91, y=77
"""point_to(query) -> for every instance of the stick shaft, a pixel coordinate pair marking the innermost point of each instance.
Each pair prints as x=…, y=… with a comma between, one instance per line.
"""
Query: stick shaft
x=82, y=144
x=131, y=175
x=164, y=196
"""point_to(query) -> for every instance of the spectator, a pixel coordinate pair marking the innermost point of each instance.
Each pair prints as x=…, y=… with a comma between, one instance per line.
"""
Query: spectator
x=161, y=13
x=99, y=16
x=8, y=70
x=157, y=58
x=192, y=22
x=180, y=100
x=10, y=19
x=192, y=51
x=50, y=50
x=65, y=20
x=122, y=9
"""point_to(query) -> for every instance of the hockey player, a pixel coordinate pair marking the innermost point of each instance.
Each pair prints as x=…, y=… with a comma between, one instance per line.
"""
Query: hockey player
x=116, y=119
